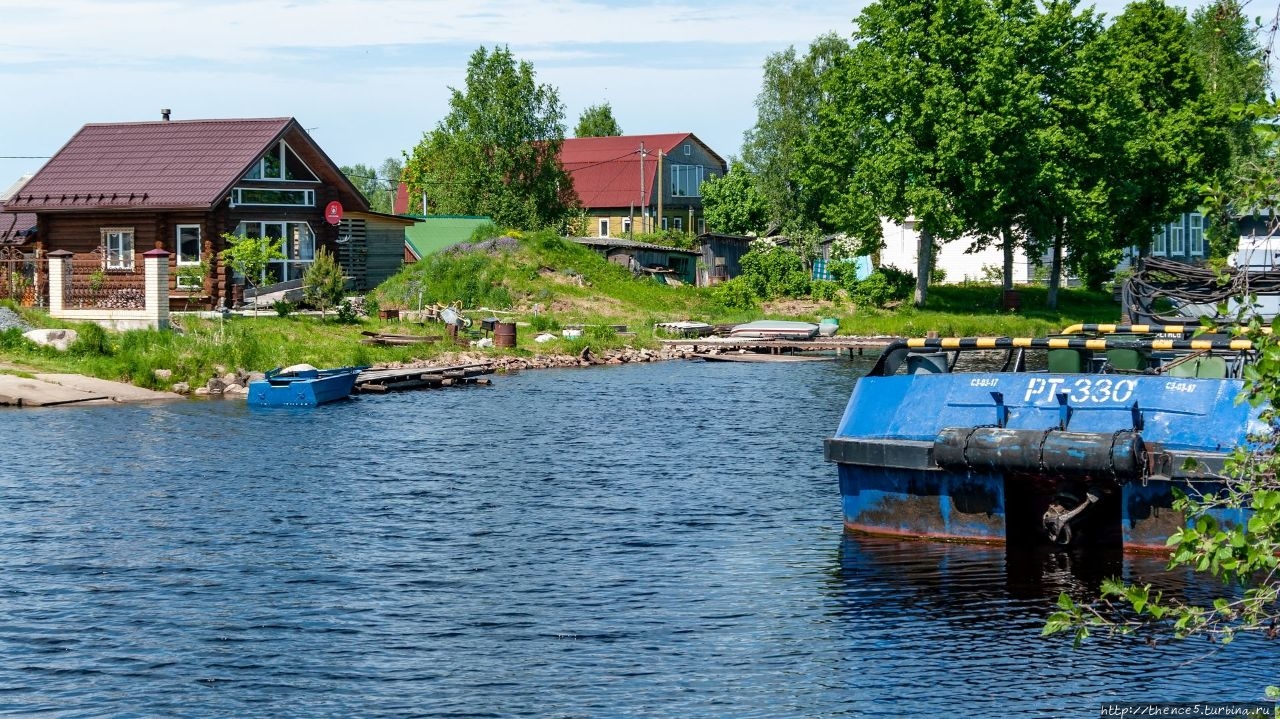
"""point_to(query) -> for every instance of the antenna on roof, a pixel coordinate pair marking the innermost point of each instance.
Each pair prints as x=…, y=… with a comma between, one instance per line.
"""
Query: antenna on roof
x=164, y=114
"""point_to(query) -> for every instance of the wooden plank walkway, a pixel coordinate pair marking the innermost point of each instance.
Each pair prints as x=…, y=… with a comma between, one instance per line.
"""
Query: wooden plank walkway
x=380, y=381
x=835, y=345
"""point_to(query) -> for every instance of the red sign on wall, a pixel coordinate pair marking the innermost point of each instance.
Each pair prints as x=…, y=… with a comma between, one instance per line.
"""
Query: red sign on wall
x=333, y=212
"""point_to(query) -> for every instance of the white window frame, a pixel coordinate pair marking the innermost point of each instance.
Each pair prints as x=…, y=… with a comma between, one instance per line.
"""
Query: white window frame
x=177, y=244
x=119, y=252
x=280, y=149
x=678, y=222
x=296, y=259
x=688, y=149
x=604, y=226
x=237, y=197
x=1177, y=239
x=626, y=225
x=1195, y=243
x=702, y=226
x=664, y=223
x=1159, y=245
x=686, y=180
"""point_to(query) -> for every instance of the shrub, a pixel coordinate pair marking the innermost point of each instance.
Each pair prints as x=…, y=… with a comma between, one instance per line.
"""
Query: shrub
x=347, y=313
x=772, y=272
x=371, y=306
x=825, y=291
x=282, y=307
x=544, y=323
x=735, y=294
x=885, y=285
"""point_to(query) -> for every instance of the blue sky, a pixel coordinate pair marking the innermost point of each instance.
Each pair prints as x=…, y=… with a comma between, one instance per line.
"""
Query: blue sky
x=368, y=77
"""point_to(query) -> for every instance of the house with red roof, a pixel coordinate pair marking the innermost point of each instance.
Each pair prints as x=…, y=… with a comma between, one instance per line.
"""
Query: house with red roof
x=118, y=190
x=634, y=184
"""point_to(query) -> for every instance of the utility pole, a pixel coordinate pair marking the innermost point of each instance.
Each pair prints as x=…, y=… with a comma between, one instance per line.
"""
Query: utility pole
x=659, y=184
x=644, y=206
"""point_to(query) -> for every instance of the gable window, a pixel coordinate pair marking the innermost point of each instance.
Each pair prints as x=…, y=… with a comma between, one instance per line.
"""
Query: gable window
x=1177, y=239
x=1196, y=235
x=688, y=149
x=118, y=242
x=280, y=164
x=604, y=227
x=686, y=180
x=259, y=196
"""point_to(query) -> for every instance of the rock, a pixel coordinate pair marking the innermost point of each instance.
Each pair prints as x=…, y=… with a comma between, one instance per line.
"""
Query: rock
x=230, y=379
x=236, y=389
x=482, y=343
x=252, y=377
x=163, y=374
x=57, y=339
x=181, y=388
x=215, y=385
x=201, y=392
x=544, y=338
x=219, y=369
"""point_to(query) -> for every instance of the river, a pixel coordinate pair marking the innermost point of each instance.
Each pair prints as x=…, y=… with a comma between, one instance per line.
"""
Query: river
x=658, y=540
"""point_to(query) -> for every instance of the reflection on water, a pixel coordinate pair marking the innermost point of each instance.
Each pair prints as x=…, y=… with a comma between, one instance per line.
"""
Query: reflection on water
x=644, y=541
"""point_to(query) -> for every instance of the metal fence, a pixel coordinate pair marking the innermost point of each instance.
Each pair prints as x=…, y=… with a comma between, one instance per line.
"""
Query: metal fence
x=90, y=283
x=19, y=280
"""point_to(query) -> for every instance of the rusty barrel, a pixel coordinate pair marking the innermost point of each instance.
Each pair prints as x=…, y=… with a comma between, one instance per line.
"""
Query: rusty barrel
x=504, y=334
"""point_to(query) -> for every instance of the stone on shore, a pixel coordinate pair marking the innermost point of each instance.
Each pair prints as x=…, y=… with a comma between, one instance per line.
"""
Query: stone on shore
x=58, y=339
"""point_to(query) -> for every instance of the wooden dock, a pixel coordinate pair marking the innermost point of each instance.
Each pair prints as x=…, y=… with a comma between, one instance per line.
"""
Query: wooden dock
x=837, y=346
x=381, y=381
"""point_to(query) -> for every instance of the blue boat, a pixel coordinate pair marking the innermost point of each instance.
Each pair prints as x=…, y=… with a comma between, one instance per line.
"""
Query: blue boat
x=303, y=386
x=1087, y=449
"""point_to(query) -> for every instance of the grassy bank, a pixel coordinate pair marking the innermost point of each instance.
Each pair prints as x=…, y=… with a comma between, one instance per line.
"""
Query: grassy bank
x=542, y=283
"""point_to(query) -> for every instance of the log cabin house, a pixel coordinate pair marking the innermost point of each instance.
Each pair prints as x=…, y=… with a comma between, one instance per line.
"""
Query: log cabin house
x=118, y=190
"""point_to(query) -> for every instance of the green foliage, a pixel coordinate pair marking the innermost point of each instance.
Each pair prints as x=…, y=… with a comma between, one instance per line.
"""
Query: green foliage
x=347, y=313
x=772, y=271
x=12, y=340
x=735, y=294
x=324, y=281
x=597, y=121
x=377, y=186
x=733, y=205
x=668, y=238
x=283, y=308
x=370, y=305
x=485, y=231
x=91, y=341
x=249, y=256
x=825, y=291
x=191, y=277
x=787, y=107
x=544, y=323
x=497, y=151
x=887, y=284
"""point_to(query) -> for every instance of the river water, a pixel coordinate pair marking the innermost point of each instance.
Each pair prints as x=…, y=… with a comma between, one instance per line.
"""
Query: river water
x=641, y=541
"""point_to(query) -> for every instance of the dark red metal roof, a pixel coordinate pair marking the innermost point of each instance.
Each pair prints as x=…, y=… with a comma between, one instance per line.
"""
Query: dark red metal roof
x=145, y=165
x=16, y=227
x=606, y=170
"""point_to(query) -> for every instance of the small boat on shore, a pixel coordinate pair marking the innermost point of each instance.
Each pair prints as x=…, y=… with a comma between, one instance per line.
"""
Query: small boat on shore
x=1088, y=448
x=775, y=329
x=303, y=386
x=686, y=328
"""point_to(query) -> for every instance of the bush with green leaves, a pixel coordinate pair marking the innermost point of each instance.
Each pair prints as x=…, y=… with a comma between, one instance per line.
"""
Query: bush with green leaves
x=825, y=291
x=883, y=286
x=772, y=272
x=324, y=281
x=734, y=294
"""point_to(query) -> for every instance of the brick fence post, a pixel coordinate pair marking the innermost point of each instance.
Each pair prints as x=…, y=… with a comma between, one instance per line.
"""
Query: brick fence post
x=59, y=263
x=155, y=265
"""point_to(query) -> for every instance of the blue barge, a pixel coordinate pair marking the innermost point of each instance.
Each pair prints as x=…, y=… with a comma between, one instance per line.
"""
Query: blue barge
x=1087, y=450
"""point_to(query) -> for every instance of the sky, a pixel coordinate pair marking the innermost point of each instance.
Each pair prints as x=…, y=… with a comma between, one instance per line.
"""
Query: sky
x=368, y=77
